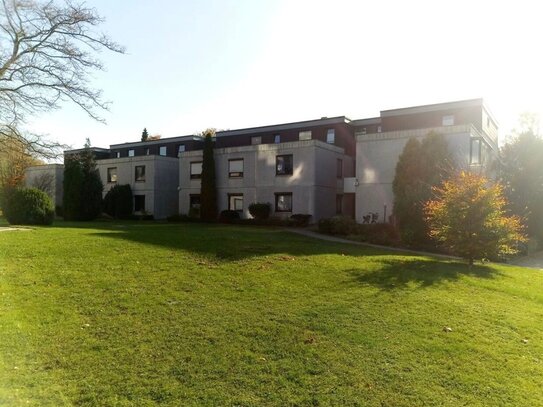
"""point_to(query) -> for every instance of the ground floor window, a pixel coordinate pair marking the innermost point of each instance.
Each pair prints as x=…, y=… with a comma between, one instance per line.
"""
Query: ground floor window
x=235, y=202
x=283, y=202
x=139, y=203
x=195, y=201
x=339, y=204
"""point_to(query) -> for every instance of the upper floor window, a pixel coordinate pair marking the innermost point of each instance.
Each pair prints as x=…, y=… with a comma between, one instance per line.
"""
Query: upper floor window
x=256, y=140
x=447, y=120
x=331, y=136
x=180, y=149
x=131, y=153
x=283, y=165
x=196, y=170
x=339, y=168
x=117, y=154
x=140, y=173
x=379, y=129
x=363, y=131
x=304, y=135
x=475, y=151
x=147, y=151
x=162, y=150
x=112, y=174
x=277, y=138
x=235, y=168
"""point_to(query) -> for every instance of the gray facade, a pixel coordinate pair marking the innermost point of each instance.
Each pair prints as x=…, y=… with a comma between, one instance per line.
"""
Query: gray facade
x=313, y=184
x=378, y=153
x=49, y=178
x=158, y=187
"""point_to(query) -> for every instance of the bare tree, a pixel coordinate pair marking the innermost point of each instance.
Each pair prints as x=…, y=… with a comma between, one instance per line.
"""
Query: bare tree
x=47, y=53
x=44, y=182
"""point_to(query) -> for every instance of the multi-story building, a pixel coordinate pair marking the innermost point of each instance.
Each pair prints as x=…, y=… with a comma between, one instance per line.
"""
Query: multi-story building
x=320, y=167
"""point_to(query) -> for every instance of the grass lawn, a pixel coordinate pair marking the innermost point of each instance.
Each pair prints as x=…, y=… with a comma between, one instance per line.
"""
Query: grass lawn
x=146, y=314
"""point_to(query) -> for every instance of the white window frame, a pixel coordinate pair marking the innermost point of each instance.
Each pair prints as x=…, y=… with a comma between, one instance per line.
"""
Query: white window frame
x=331, y=136
x=163, y=149
x=447, y=120
x=234, y=168
x=195, y=174
x=305, y=135
x=131, y=152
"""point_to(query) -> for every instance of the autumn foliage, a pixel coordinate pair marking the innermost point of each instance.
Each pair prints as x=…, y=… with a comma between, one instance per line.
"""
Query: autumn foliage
x=468, y=217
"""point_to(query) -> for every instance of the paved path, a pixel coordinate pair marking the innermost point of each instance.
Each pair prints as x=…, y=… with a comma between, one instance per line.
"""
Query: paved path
x=8, y=229
x=310, y=233
x=534, y=260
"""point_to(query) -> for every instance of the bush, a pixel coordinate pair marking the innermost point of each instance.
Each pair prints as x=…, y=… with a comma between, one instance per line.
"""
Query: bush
x=194, y=212
x=28, y=206
x=118, y=202
x=338, y=225
x=378, y=233
x=228, y=215
x=300, y=219
x=260, y=210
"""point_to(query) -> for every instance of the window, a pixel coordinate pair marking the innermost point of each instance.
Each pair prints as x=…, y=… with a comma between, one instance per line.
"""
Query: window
x=304, y=135
x=256, y=140
x=331, y=136
x=283, y=165
x=139, y=203
x=131, y=153
x=117, y=154
x=180, y=149
x=112, y=174
x=196, y=170
x=475, y=151
x=140, y=173
x=448, y=120
x=194, y=201
x=363, y=131
x=339, y=168
x=283, y=202
x=277, y=138
x=379, y=129
x=162, y=150
x=235, y=168
x=147, y=151
x=235, y=202
x=339, y=204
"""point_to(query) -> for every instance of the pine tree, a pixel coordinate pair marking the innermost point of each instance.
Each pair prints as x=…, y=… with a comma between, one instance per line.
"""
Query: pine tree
x=421, y=166
x=144, y=134
x=82, y=186
x=208, y=192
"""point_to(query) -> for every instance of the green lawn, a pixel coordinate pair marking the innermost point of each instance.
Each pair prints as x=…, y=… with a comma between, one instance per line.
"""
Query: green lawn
x=144, y=314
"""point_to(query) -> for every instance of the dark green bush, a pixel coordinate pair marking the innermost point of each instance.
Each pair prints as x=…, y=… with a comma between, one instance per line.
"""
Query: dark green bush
x=338, y=225
x=28, y=206
x=260, y=210
x=300, y=219
x=378, y=233
x=228, y=215
x=119, y=202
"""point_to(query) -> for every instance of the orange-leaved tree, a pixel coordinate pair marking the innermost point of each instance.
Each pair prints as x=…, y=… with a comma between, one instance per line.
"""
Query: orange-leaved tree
x=468, y=217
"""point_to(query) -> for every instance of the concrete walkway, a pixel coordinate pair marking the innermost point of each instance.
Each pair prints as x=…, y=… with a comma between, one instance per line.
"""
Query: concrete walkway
x=315, y=235
x=8, y=229
x=534, y=261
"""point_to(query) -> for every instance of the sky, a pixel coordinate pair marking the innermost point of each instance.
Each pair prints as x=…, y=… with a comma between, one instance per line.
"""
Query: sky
x=227, y=64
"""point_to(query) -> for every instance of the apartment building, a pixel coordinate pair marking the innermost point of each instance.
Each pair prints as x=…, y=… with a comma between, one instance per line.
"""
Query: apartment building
x=320, y=167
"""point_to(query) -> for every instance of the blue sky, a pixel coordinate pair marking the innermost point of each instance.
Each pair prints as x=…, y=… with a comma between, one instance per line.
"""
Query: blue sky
x=230, y=64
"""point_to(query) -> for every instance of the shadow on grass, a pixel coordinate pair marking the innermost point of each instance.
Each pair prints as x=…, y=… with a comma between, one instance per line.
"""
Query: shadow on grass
x=226, y=243
x=408, y=272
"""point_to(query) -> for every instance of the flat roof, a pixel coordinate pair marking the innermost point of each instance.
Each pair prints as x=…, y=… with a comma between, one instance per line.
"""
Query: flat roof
x=364, y=122
x=158, y=141
x=285, y=126
x=79, y=150
x=432, y=107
